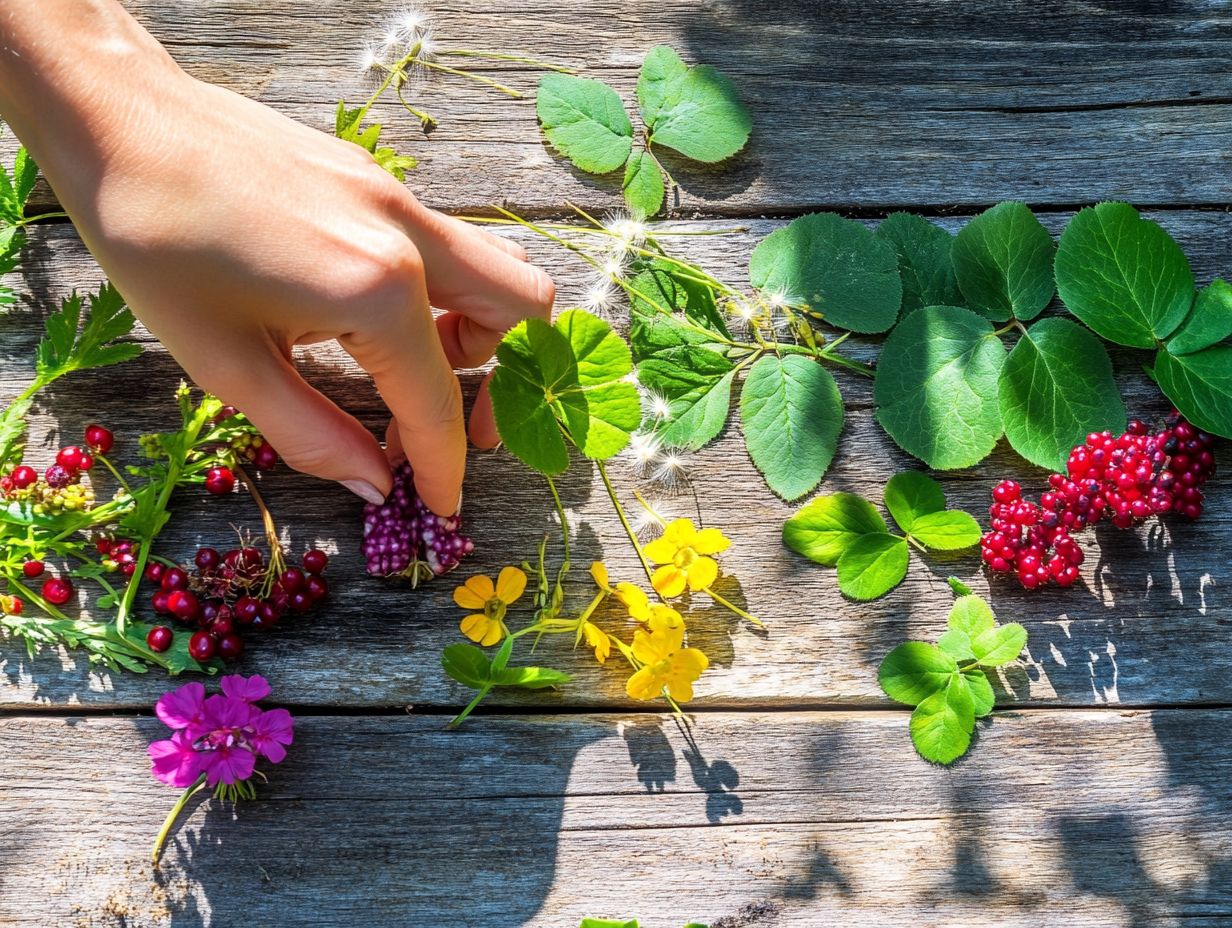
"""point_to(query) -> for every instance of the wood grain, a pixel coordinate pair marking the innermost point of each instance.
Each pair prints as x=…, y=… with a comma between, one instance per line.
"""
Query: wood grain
x=1083, y=818
x=1149, y=626
x=856, y=104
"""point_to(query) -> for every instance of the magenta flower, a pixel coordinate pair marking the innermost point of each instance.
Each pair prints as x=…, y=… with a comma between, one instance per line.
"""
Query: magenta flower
x=217, y=740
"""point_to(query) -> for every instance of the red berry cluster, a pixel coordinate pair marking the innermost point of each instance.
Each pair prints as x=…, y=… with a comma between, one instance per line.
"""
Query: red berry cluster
x=59, y=487
x=222, y=594
x=1128, y=478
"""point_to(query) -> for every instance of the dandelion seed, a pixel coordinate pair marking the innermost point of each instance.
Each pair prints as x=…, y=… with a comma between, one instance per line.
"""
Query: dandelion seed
x=369, y=60
x=670, y=471
x=599, y=297
x=743, y=311
x=660, y=408
x=627, y=231
x=650, y=518
x=777, y=300
x=644, y=448
x=614, y=267
x=411, y=21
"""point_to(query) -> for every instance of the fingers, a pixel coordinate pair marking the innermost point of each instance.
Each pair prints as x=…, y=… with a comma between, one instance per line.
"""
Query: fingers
x=408, y=364
x=466, y=343
x=281, y=404
x=482, y=429
x=497, y=241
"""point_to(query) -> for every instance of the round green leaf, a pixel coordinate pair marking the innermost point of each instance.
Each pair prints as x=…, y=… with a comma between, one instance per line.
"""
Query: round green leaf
x=585, y=121
x=996, y=646
x=643, y=184
x=1003, y=262
x=527, y=426
x=942, y=724
x=971, y=615
x=924, y=261
x=1200, y=386
x=1055, y=389
x=982, y=696
x=1209, y=322
x=912, y=494
x=530, y=678
x=828, y=525
x=695, y=111
x=1123, y=275
x=792, y=415
x=957, y=644
x=952, y=530
x=872, y=566
x=936, y=386
x=836, y=267
x=467, y=664
x=914, y=671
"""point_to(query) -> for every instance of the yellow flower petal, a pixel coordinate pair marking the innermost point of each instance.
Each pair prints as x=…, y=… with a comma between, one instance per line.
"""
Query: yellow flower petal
x=598, y=570
x=645, y=648
x=661, y=550
x=482, y=586
x=510, y=584
x=467, y=598
x=669, y=581
x=680, y=689
x=664, y=617
x=644, y=684
x=681, y=532
x=702, y=573
x=494, y=634
x=597, y=639
x=475, y=626
x=636, y=601
x=710, y=541
x=690, y=662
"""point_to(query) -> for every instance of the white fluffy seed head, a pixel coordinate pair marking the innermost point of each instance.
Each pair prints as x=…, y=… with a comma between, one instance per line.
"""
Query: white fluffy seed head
x=670, y=470
x=644, y=449
x=660, y=408
x=650, y=518
x=627, y=230
x=614, y=266
x=599, y=297
x=411, y=21
x=369, y=60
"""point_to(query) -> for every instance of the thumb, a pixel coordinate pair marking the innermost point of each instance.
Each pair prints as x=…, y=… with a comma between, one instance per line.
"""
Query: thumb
x=305, y=427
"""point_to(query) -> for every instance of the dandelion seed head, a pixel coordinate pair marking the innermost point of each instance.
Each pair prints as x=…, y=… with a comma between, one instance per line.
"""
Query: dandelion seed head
x=649, y=518
x=744, y=310
x=368, y=60
x=614, y=267
x=627, y=230
x=670, y=471
x=411, y=21
x=599, y=297
x=427, y=45
x=644, y=449
x=777, y=299
x=660, y=408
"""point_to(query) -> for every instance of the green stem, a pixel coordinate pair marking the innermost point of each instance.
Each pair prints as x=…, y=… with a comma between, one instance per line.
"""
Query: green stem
x=916, y=545
x=176, y=809
x=27, y=220
x=709, y=591
x=560, y=512
x=115, y=473
x=470, y=707
x=624, y=521
x=426, y=121
x=496, y=56
x=436, y=66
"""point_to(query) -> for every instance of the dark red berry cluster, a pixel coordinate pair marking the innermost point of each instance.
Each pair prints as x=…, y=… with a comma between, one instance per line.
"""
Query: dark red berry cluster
x=1127, y=478
x=222, y=594
x=59, y=487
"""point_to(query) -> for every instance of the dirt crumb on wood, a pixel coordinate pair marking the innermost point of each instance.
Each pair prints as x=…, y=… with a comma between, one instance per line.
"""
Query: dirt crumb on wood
x=755, y=913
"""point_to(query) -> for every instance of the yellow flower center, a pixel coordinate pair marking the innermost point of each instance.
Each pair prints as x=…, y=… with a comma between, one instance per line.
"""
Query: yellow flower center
x=684, y=558
x=494, y=608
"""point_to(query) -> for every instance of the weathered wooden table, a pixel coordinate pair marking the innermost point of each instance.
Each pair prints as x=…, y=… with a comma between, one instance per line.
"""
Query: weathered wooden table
x=1100, y=795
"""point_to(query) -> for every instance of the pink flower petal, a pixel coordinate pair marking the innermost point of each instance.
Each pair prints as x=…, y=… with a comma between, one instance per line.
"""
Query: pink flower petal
x=175, y=762
x=228, y=764
x=249, y=689
x=270, y=731
x=181, y=708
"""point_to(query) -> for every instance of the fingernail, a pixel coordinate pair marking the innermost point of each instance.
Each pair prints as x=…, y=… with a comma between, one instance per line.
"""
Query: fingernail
x=365, y=491
x=458, y=509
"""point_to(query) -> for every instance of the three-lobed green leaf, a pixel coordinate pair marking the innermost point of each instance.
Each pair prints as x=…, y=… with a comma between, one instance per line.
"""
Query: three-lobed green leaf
x=1123, y=275
x=585, y=121
x=693, y=110
x=471, y=667
x=836, y=267
x=1003, y=263
x=1056, y=388
x=936, y=386
x=872, y=566
x=917, y=503
x=914, y=671
x=827, y=526
x=792, y=414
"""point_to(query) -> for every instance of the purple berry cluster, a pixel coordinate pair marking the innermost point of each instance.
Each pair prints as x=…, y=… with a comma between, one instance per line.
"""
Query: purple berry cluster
x=404, y=538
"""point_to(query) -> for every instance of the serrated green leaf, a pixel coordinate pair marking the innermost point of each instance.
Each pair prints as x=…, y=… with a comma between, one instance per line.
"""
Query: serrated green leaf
x=643, y=184
x=983, y=699
x=827, y=526
x=531, y=356
x=13, y=430
x=1000, y=645
x=872, y=566
x=914, y=671
x=936, y=386
x=695, y=111
x=25, y=175
x=661, y=288
x=957, y=644
x=585, y=121
x=942, y=724
x=530, y=678
x=911, y=494
x=602, y=409
x=1209, y=322
x=1056, y=388
x=1003, y=263
x=697, y=385
x=792, y=415
x=836, y=267
x=924, y=262
x=467, y=664
x=65, y=349
x=952, y=530
x=397, y=165
x=971, y=615
x=1200, y=386
x=1123, y=275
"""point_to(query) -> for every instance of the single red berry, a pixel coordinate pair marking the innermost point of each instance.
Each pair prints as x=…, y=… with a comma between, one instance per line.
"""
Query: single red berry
x=183, y=604
x=316, y=587
x=268, y=614
x=57, y=591
x=154, y=571
x=300, y=601
x=202, y=646
x=219, y=480
x=207, y=559
x=11, y=605
x=315, y=561
x=230, y=647
x=174, y=578
x=32, y=568
x=57, y=476
x=220, y=627
x=266, y=457
x=159, y=602
x=159, y=638
x=98, y=438
x=24, y=476
x=245, y=610
x=69, y=458
x=291, y=579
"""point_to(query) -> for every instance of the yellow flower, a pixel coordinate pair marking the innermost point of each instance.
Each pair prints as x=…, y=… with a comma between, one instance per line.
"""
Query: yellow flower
x=598, y=570
x=597, y=638
x=682, y=553
x=665, y=663
x=641, y=608
x=479, y=592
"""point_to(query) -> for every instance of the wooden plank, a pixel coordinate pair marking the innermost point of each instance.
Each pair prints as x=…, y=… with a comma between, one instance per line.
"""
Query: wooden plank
x=1096, y=818
x=1149, y=626
x=869, y=104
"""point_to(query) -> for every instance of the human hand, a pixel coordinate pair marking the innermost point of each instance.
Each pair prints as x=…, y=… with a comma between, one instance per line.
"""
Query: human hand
x=236, y=233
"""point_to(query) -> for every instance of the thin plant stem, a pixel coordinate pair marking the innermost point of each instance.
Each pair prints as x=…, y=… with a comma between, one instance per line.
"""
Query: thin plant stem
x=38, y=217
x=497, y=56
x=560, y=512
x=624, y=521
x=470, y=707
x=426, y=121
x=277, y=559
x=709, y=591
x=437, y=66
x=161, y=838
